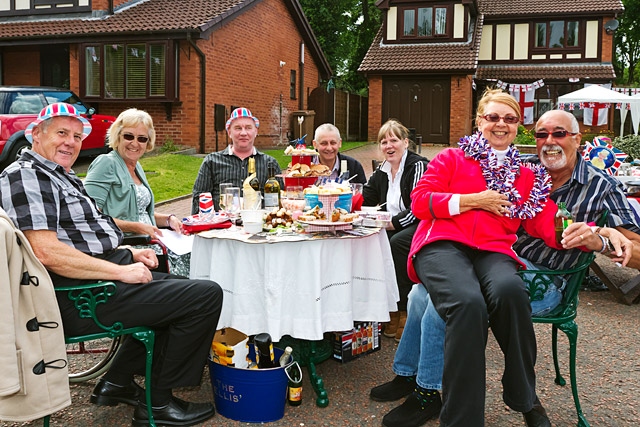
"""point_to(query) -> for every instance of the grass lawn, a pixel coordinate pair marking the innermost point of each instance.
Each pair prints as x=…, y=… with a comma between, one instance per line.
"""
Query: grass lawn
x=173, y=175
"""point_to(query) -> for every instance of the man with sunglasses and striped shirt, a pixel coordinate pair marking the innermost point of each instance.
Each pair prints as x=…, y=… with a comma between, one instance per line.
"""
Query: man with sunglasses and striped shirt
x=587, y=192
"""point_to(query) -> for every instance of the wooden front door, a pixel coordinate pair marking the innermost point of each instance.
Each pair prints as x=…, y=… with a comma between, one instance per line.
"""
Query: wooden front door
x=421, y=104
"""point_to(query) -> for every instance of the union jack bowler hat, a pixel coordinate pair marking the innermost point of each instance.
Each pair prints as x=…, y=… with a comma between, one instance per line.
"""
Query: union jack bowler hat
x=241, y=112
x=58, y=109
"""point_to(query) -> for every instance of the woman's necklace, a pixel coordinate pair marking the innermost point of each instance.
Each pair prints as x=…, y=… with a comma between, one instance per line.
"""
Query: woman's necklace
x=502, y=177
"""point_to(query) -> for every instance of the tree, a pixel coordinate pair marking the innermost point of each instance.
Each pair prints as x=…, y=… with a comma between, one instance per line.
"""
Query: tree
x=345, y=30
x=627, y=45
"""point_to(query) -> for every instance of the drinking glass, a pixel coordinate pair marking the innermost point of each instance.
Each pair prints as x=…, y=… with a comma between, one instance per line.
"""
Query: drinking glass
x=233, y=204
x=356, y=187
x=223, y=198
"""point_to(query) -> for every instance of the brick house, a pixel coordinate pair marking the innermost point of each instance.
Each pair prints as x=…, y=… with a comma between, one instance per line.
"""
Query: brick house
x=185, y=62
x=430, y=61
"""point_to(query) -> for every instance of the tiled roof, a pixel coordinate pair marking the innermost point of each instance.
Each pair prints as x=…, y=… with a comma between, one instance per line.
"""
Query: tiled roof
x=548, y=72
x=432, y=57
x=139, y=17
x=519, y=7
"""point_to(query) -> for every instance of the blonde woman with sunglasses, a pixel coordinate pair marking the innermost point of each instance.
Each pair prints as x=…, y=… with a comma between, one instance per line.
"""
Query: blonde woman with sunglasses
x=471, y=202
x=117, y=182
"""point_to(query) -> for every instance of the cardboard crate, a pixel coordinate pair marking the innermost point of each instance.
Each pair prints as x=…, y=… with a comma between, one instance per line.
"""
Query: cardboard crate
x=363, y=339
x=229, y=347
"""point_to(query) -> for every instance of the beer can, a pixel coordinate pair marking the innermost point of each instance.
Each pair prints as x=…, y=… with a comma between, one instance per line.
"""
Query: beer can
x=206, y=204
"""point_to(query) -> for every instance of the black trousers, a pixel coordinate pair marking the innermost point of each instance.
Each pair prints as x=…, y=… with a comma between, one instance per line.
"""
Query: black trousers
x=472, y=290
x=400, y=242
x=184, y=314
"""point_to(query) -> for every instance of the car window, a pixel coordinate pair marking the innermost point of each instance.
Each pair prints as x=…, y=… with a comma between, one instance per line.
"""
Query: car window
x=25, y=104
x=68, y=97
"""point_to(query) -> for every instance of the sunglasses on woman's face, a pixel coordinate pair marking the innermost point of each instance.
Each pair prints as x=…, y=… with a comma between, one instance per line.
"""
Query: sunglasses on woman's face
x=558, y=134
x=495, y=118
x=131, y=137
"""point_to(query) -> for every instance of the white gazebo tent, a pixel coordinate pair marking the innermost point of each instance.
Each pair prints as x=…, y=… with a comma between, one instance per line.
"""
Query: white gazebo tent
x=596, y=93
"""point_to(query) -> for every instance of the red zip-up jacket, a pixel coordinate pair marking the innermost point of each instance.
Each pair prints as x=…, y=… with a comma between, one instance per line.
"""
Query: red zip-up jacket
x=450, y=172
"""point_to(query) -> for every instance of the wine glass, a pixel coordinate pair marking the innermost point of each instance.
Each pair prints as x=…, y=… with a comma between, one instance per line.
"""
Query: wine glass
x=223, y=195
x=232, y=204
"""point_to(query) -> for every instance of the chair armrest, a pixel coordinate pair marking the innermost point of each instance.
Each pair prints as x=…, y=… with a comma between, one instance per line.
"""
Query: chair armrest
x=136, y=239
x=86, y=298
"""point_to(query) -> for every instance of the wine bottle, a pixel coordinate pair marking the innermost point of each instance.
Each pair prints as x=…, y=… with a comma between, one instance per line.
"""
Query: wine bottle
x=264, y=351
x=272, y=190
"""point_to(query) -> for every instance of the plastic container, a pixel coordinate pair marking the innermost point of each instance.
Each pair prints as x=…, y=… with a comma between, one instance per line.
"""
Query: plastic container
x=329, y=201
x=250, y=395
x=252, y=220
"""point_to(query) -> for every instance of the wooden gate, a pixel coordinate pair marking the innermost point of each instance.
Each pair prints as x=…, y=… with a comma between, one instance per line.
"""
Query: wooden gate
x=420, y=104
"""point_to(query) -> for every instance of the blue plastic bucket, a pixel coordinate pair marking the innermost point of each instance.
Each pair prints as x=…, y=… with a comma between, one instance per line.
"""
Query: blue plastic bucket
x=250, y=395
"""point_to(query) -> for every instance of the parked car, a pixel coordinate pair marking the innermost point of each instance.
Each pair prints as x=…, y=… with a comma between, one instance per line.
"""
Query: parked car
x=20, y=105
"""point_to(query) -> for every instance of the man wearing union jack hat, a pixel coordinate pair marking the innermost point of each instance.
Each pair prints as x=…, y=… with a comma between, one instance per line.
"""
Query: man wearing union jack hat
x=79, y=244
x=231, y=164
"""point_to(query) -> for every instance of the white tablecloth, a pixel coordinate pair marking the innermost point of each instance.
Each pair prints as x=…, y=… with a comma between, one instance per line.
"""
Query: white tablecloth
x=303, y=288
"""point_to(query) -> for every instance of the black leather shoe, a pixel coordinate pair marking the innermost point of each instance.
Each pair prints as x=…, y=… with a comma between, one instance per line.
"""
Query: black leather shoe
x=414, y=411
x=537, y=416
x=110, y=394
x=593, y=284
x=176, y=413
x=395, y=389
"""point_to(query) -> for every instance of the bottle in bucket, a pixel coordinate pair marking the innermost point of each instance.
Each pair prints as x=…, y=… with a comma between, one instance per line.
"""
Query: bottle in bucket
x=294, y=388
x=206, y=205
x=264, y=351
x=286, y=356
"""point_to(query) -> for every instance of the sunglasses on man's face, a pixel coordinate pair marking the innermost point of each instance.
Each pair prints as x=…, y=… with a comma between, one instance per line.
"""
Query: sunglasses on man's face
x=558, y=134
x=495, y=118
x=131, y=137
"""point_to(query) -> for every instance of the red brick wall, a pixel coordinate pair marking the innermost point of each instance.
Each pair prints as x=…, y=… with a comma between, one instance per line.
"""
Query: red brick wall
x=21, y=66
x=460, y=110
x=607, y=43
x=375, y=106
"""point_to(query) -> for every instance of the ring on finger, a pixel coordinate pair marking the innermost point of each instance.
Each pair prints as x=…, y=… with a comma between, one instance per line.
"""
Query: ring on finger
x=581, y=237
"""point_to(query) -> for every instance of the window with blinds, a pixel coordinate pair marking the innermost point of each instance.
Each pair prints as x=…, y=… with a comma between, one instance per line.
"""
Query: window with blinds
x=126, y=70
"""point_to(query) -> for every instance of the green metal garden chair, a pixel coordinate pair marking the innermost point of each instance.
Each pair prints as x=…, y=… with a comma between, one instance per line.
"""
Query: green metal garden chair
x=86, y=299
x=563, y=316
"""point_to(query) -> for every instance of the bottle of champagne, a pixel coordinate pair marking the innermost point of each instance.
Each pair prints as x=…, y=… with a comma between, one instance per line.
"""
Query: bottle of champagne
x=272, y=190
x=562, y=221
x=253, y=182
x=251, y=187
x=294, y=388
x=264, y=351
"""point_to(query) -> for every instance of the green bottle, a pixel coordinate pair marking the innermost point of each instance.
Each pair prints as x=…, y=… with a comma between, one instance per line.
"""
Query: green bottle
x=562, y=221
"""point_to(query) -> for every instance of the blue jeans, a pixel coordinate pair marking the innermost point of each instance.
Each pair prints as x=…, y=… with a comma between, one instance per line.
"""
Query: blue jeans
x=421, y=349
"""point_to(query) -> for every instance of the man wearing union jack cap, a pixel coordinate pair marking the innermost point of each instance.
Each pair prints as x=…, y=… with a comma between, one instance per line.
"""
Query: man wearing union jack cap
x=79, y=244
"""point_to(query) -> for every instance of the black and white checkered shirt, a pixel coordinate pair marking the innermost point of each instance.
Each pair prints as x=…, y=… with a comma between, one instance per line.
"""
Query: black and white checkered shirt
x=224, y=166
x=587, y=194
x=39, y=194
